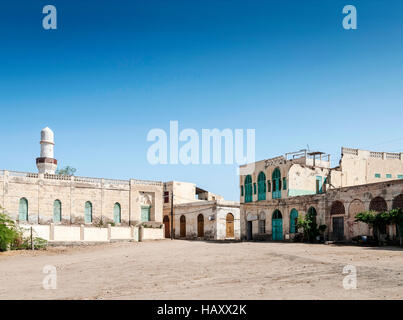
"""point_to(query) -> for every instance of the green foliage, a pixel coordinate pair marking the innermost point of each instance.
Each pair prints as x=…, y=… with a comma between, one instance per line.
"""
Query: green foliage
x=378, y=220
x=66, y=171
x=309, y=227
x=9, y=233
x=12, y=238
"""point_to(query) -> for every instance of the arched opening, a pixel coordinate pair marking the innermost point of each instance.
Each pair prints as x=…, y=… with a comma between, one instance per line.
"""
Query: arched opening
x=230, y=226
x=88, y=212
x=57, y=211
x=276, y=178
x=337, y=208
x=293, y=221
x=248, y=189
x=356, y=228
x=379, y=204
x=398, y=202
x=200, y=225
x=117, y=218
x=261, y=186
x=183, y=226
x=277, y=225
x=167, y=227
x=23, y=209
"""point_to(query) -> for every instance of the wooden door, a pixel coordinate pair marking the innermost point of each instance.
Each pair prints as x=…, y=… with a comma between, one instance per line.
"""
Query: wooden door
x=200, y=225
x=183, y=227
x=167, y=227
x=230, y=226
x=338, y=228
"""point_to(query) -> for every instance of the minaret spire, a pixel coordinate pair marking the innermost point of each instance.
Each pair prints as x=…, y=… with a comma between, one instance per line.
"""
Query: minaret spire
x=46, y=163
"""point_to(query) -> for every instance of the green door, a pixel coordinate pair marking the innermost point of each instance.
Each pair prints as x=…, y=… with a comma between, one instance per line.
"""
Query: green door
x=23, y=210
x=145, y=213
x=57, y=211
x=277, y=226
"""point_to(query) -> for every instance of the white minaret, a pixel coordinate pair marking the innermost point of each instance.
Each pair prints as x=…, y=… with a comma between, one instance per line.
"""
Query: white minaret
x=46, y=163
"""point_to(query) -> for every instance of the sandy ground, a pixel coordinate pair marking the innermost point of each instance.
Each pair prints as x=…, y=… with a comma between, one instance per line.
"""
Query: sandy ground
x=201, y=270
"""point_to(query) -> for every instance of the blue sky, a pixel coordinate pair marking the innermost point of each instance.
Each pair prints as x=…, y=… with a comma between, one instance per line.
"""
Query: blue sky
x=113, y=70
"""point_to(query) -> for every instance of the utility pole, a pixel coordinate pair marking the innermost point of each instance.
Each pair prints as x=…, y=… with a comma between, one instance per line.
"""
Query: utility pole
x=172, y=213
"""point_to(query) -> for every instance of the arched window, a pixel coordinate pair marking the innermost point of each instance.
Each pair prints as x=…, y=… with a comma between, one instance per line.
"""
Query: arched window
x=378, y=204
x=337, y=208
x=276, y=178
x=261, y=181
x=57, y=211
x=248, y=189
x=88, y=212
x=293, y=220
x=23, y=209
x=117, y=213
x=398, y=202
x=200, y=225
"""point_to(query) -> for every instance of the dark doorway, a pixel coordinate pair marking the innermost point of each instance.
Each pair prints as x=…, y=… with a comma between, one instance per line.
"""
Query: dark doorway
x=338, y=228
x=249, y=230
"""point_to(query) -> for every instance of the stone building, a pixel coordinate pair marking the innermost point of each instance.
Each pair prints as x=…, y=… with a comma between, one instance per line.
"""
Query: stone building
x=45, y=197
x=199, y=214
x=276, y=191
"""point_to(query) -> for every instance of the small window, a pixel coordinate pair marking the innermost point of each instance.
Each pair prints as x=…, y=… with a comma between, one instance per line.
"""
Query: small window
x=377, y=175
x=268, y=186
x=262, y=226
x=241, y=191
x=166, y=196
x=284, y=184
x=388, y=175
x=400, y=176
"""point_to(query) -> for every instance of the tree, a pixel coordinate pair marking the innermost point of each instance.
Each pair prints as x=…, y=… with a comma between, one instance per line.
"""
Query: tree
x=379, y=220
x=66, y=171
x=9, y=232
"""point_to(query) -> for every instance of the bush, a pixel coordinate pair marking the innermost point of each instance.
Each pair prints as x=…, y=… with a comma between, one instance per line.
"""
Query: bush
x=10, y=234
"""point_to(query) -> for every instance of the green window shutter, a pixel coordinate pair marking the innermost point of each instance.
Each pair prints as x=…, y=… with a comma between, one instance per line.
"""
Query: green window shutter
x=117, y=213
x=145, y=213
x=377, y=175
x=88, y=212
x=400, y=176
x=276, y=178
x=284, y=184
x=261, y=186
x=57, y=211
x=248, y=189
x=23, y=209
x=389, y=176
x=293, y=221
x=318, y=184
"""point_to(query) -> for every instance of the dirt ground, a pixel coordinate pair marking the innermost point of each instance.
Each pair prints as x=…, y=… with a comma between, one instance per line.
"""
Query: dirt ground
x=203, y=270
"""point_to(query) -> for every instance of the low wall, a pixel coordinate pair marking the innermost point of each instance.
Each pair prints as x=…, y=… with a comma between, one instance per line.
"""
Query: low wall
x=59, y=233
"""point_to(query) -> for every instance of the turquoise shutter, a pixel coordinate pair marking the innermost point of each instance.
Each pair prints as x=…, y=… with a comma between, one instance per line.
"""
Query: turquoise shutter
x=117, y=213
x=57, y=211
x=23, y=209
x=88, y=212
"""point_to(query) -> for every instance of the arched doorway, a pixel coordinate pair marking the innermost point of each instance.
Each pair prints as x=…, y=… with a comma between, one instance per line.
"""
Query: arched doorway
x=356, y=228
x=293, y=221
x=167, y=227
x=230, y=226
x=88, y=212
x=183, y=226
x=277, y=226
x=398, y=202
x=200, y=225
x=378, y=204
x=337, y=221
